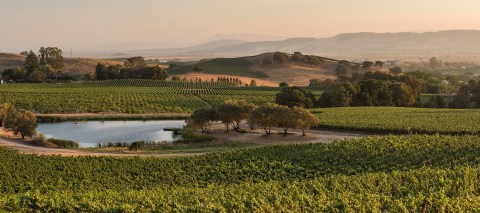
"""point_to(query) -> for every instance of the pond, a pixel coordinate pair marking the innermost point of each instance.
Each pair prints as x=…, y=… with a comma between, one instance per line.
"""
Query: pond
x=92, y=133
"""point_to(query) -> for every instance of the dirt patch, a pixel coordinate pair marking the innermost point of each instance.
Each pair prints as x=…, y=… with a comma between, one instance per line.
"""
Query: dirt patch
x=297, y=75
x=259, y=137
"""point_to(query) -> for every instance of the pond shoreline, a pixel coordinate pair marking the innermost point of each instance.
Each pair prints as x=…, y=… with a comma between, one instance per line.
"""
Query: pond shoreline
x=53, y=118
x=92, y=133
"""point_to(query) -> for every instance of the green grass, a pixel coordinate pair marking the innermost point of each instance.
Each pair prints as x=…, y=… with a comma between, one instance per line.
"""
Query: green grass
x=390, y=174
x=401, y=120
x=222, y=66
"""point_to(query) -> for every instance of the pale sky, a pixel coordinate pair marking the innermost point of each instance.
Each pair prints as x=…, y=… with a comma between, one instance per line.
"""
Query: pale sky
x=86, y=24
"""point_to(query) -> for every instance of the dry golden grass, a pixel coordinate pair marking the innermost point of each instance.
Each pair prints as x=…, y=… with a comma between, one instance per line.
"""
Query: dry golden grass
x=208, y=77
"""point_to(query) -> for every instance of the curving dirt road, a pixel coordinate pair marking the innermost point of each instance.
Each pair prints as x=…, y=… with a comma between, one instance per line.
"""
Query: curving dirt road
x=314, y=136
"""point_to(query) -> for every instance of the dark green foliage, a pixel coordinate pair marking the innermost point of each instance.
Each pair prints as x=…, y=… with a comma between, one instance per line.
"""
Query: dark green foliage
x=135, y=63
x=395, y=70
x=366, y=65
x=341, y=70
x=137, y=145
x=188, y=136
x=53, y=57
x=468, y=96
x=294, y=96
x=279, y=57
x=31, y=62
x=221, y=66
x=63, y=143
x=375, y=89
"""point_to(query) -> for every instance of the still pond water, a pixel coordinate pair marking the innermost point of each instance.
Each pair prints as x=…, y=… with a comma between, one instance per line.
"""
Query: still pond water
x=91, y=133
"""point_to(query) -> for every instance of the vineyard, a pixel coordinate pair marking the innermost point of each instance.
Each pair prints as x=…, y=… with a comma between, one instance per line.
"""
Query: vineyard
x=222, y=66
x=130, y=96
x=401, y=120
x=391, y=174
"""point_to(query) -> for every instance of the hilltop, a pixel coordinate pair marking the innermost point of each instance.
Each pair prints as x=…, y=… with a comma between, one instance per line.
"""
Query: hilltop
x=296, y=69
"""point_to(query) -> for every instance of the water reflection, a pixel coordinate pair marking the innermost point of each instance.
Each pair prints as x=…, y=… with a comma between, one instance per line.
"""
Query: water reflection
x=91, y=133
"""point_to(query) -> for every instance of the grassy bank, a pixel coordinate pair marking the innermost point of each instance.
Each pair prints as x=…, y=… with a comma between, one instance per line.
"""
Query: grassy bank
x=51, y=118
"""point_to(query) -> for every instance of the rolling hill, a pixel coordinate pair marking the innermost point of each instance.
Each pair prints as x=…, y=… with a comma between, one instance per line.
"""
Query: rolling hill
x=291, y=71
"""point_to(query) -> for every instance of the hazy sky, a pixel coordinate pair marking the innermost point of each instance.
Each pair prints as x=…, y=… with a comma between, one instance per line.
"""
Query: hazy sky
x=86, y=24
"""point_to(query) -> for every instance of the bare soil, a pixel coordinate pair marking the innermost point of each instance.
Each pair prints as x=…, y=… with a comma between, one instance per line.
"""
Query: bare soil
x=249, y=138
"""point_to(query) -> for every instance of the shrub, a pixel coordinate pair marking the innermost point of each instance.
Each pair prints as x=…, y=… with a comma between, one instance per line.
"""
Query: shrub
x=189, y=137
x=137, y=145
x=63, y=143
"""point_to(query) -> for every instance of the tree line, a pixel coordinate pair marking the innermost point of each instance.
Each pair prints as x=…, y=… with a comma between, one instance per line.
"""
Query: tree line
x=373, y=89
x=232, y=112
x=133, y=68
x=20, y=122
x=49, y=63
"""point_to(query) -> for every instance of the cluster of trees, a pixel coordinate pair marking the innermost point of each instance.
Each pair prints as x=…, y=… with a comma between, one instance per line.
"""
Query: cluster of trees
x=21, y=122
x=468, y=95
x=133, y=68
x=231, y=113
x=230, y=80
x=36, y=69
x=279, y=58
x=374, y=89
x=347, y=68
x=295, y=96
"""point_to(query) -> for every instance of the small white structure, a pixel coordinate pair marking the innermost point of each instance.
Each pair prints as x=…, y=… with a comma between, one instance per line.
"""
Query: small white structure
x=2, y=82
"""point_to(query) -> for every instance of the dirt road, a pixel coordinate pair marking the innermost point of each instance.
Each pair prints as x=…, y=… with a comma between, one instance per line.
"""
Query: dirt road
x=313, y=136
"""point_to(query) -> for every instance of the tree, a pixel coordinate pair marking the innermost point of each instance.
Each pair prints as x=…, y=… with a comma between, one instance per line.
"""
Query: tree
x=204, y=118
x=233, y=112
x=31, y=62
x=25, y=124
x=253, y=83
x=286, y=118
x=367, y=64
x=402, y=95
x=36, y=76
x=52, y=56
x=15, y=74
x=434, y=63
x=341, y=70
x=264, y=116
x=293, y=96
x=395, y=70
x=7, y=112
x=24, y=53
x=283, y=84
x=136, y=62
x=305, y=119
x=197, y=69
x=379, y=64
x=279, y=57
x=100, y=72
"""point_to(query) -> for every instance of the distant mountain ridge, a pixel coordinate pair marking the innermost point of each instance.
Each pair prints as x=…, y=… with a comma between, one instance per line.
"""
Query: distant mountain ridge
x=442, y=42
